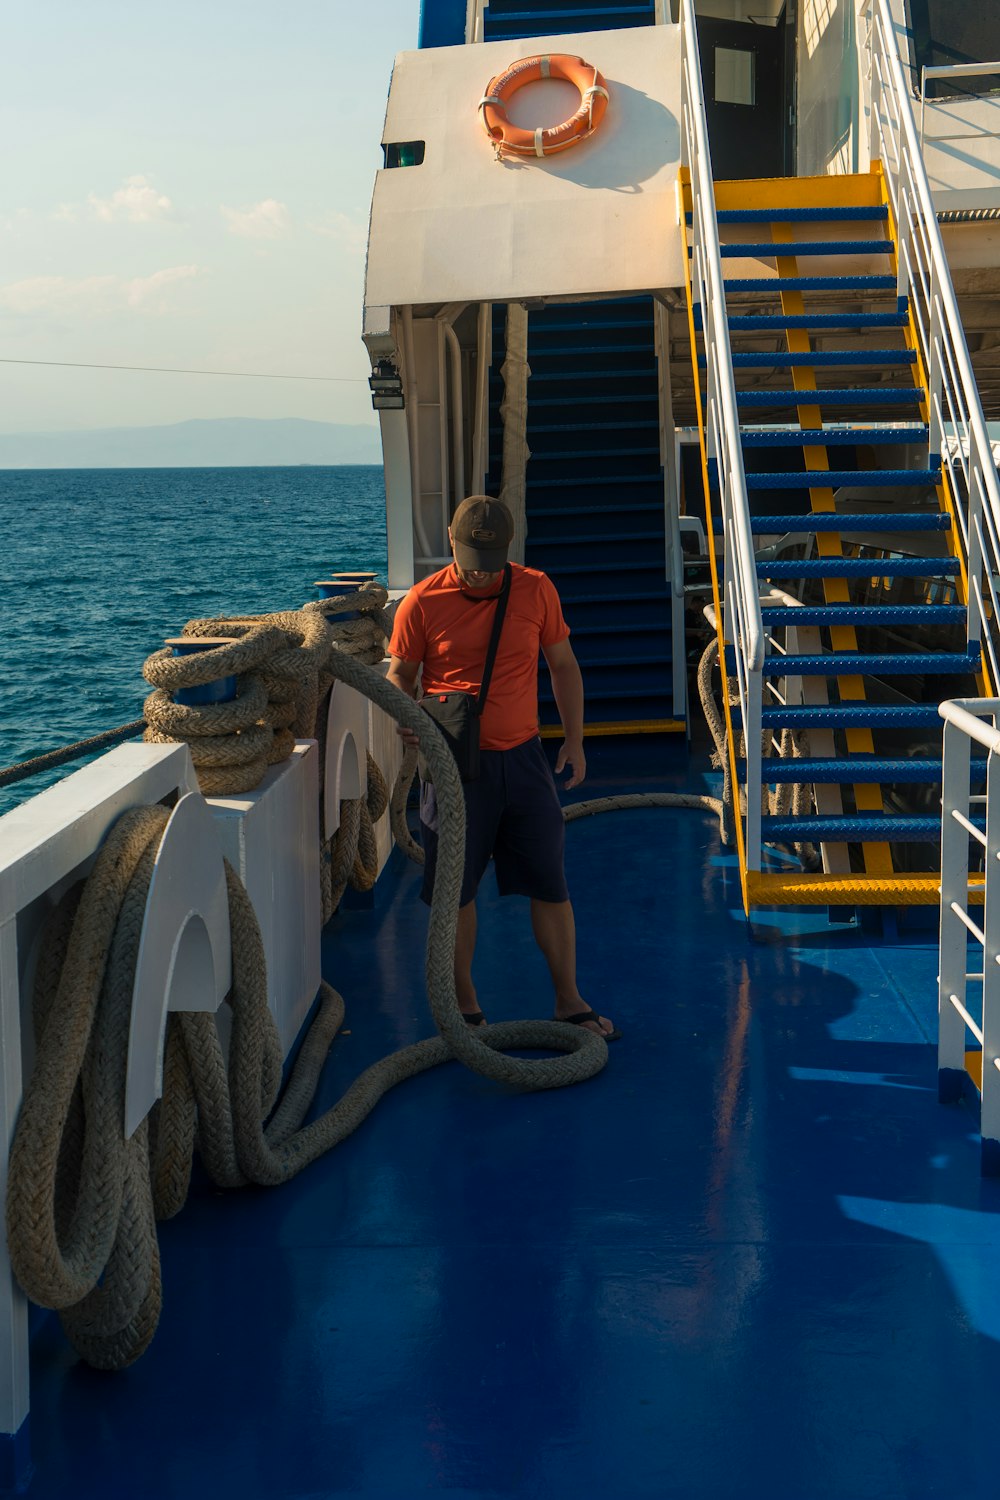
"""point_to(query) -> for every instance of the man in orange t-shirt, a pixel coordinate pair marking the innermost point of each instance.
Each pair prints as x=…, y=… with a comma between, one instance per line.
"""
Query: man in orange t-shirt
x=512, y=811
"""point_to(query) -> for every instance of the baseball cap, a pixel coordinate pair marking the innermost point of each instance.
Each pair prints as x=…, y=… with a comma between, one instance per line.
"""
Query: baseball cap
x=482, y=530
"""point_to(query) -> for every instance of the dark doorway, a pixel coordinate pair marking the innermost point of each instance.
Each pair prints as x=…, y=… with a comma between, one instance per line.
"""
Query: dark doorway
x=743, y=70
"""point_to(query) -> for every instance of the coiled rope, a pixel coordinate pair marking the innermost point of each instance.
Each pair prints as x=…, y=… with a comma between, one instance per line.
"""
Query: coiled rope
x=82, y=1201
x=286, y=670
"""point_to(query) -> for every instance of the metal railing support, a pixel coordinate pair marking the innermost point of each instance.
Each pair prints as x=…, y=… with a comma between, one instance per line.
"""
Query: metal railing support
x=956, y=424
x=740, y=599
x=964, y=727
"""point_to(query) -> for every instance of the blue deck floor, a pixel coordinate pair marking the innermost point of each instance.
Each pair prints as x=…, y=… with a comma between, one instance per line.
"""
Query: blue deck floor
x=754, y=1257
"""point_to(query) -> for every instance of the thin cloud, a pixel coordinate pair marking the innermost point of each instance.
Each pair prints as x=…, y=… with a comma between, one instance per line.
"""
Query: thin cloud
x=93, y=295
x=137, y=201
x=347, y=231
x=267, y=220
x=142, y=291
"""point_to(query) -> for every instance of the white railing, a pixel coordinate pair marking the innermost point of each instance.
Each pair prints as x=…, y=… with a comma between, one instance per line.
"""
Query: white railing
x=958, y=1015
x=956, y=422
x=740, y=599
x=952, y=70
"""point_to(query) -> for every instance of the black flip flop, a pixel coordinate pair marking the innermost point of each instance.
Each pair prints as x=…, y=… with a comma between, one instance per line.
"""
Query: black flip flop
x=583, y=1016
x=474, y=1018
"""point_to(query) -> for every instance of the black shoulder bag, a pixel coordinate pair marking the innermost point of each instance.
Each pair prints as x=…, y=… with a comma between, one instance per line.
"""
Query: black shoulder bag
x=457, y=715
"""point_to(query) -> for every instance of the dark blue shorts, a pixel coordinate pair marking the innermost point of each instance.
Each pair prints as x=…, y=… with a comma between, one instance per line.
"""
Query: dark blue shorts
x=512, y=816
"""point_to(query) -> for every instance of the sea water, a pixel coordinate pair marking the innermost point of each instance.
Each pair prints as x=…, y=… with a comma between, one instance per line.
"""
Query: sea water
x=98, y=566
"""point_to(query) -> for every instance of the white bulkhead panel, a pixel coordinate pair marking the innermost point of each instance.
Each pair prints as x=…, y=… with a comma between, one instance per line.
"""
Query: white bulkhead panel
x=600, y=218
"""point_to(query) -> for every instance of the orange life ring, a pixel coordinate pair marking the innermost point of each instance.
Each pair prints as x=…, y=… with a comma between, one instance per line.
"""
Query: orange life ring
x=502, y=88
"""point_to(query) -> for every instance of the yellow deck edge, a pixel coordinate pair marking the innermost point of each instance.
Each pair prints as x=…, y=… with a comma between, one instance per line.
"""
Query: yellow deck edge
x=974, y=1067
x=792, y=889
x=624, y=726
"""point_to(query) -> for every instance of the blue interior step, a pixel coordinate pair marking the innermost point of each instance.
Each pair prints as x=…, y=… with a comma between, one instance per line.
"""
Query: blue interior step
x=522, y=22
x=857, y=828
x=635, y=424
x=863, y=614
x=894, y=520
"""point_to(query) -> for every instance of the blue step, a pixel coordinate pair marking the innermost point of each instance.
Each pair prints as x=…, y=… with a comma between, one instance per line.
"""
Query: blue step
x=774, y=616
x=856, y=829
x=843, y=663
x=934, y=520
x=766, y=361
x=769, y=249
x=860, y=567
x=809, y=284
x=877, y=395
x=817, y=479
x=856, y=770
x=851, y=716
x=827, y=437
x=799, y=215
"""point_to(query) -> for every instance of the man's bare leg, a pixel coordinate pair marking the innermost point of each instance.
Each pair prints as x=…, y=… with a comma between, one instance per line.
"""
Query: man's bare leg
x=554, y=927
x=465, y=947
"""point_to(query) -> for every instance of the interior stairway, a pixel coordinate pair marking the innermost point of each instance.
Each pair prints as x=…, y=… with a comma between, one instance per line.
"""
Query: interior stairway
x=866, y=623
x=595, y=487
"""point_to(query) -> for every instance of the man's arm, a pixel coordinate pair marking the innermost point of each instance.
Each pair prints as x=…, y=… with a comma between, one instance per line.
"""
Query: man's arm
x=403, y=675
x=567, y=686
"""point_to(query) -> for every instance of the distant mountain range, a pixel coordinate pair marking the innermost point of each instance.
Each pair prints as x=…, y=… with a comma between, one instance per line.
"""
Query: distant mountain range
x=229, y=442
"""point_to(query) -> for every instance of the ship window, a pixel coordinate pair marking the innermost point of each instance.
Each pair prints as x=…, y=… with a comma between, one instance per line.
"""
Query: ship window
x=404, y=153
x=735, y=79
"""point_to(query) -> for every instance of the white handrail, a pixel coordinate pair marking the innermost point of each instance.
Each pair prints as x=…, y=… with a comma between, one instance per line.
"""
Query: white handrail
x=925, y=280
x=952, y=70
x=962, y=727
x=741, y=601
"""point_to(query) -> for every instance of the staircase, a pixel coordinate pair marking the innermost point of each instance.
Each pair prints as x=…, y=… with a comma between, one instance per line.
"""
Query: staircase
x=595, y=483
x=856, y=535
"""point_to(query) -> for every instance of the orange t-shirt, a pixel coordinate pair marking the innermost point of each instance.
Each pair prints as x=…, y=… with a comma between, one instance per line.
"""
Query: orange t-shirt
x=447, y=627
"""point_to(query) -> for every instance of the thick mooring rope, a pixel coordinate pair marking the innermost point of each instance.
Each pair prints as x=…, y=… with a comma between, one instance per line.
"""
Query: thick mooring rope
x=82, y=1200
x=787, y=797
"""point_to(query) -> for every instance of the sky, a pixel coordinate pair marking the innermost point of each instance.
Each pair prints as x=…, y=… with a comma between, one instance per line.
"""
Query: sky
x=188, y=185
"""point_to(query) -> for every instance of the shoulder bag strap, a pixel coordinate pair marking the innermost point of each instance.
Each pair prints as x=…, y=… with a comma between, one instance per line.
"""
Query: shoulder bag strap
x=498, y=618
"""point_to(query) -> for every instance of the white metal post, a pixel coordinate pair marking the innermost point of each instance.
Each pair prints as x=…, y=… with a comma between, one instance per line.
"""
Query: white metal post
x=751, y=736
x=953, y=937
x=989, y=1122
x=13, y=1305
